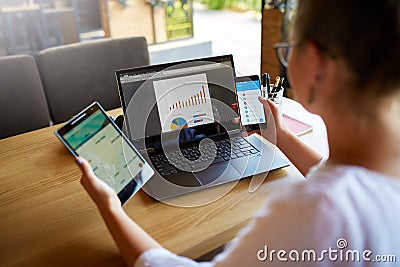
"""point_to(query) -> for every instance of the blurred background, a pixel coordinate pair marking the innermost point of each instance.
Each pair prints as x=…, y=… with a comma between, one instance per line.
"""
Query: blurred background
x=174, y=29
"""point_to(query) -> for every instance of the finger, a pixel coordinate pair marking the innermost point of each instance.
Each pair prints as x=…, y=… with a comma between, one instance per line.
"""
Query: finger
x=264, y=102
x=262, y=99
x=267, y=103
x=84, y=166
x=272, y=111
x=274, y=108
x=267, y=107
x=234, y=106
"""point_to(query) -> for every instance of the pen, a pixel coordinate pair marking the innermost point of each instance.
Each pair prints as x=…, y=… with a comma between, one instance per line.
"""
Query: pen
x=280, y=86
x=276, y=84
x=264, y=83
x=268, y=83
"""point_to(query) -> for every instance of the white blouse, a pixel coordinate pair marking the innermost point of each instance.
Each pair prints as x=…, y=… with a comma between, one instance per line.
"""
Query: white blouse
x=339, y=216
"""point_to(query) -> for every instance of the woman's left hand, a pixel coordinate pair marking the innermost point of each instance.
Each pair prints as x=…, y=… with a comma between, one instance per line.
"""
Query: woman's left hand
x=102, y=194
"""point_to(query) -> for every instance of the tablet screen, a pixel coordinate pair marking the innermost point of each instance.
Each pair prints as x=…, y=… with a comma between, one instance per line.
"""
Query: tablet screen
x=93, y=136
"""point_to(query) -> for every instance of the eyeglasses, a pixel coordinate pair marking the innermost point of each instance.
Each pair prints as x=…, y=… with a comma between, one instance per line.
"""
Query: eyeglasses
x=283, y=51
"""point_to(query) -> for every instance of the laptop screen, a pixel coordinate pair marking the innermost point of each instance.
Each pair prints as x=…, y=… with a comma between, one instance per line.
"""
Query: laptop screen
x=191, y=97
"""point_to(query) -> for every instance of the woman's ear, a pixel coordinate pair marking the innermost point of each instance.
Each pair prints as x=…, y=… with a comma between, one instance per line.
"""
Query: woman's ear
x=317, y=60
x=323, y=72
x=317, y=88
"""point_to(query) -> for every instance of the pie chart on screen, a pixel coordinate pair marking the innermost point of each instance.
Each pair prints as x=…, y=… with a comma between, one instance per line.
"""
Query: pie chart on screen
x=178, y=123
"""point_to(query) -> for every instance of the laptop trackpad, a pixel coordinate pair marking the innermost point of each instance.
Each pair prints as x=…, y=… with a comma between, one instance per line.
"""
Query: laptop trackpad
x=183, y=179
x=216, y=174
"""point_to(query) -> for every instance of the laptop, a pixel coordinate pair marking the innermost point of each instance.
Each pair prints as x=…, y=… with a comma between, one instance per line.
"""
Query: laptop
x=180, y=116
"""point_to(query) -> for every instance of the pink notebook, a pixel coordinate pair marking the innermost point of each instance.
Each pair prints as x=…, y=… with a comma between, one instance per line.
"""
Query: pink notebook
x=295, y=126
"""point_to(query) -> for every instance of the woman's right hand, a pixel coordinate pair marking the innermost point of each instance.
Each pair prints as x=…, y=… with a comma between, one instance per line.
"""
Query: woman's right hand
x=276, y=127
x=300, y=154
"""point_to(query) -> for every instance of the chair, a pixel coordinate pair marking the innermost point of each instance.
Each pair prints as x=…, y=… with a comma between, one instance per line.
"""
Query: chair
x=23, y=105
x=75, y=75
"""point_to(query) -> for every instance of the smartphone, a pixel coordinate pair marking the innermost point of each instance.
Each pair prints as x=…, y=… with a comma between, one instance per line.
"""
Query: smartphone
x=94, y=136
x=251, y=111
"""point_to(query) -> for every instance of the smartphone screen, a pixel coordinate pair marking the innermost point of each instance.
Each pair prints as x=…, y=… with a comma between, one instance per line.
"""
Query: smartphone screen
x=248, y=89
x=93, y=136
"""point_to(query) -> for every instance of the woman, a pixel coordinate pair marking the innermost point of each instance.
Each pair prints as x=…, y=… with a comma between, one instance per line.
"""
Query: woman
x=344, y=65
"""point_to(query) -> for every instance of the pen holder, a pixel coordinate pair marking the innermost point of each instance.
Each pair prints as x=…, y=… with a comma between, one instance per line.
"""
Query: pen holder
x=276, y=97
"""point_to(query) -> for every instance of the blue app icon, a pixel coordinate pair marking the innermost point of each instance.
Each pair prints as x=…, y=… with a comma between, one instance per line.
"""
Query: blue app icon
x=261, y=120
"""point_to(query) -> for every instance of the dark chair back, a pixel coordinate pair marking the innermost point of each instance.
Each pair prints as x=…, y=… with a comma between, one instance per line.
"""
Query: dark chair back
x=23, y=104
x=75, y=75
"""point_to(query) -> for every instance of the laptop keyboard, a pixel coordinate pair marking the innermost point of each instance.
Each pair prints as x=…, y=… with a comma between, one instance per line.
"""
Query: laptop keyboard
x=226, y=150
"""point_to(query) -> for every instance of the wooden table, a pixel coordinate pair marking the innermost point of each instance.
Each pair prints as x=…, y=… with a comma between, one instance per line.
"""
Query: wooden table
x=47, y=219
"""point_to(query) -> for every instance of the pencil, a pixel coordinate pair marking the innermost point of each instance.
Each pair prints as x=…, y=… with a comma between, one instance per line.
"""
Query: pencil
x=276, y=84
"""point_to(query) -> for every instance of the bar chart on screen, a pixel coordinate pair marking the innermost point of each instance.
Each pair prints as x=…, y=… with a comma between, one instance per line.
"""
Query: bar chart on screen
x=183, y=102
x=194, y=100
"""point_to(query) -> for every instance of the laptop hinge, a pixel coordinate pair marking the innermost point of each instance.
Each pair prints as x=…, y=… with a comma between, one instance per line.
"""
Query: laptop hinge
x=147, y=150
x=234, y=132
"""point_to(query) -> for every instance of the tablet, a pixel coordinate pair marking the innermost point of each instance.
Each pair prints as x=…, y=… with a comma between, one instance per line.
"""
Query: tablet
x=94, y=136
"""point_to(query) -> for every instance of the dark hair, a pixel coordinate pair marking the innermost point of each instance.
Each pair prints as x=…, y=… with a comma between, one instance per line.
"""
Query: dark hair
x=364, y=33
